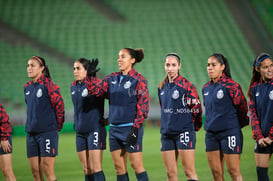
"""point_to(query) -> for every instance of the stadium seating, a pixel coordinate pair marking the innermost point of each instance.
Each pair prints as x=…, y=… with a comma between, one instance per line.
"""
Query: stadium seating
x=193, y=29
x=264, y=9
x=14, y=76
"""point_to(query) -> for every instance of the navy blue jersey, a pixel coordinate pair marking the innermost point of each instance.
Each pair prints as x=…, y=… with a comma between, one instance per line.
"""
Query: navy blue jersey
x=261, y=109
x=128, y=96
x=45, y=106
x=181, y=109
x=225, y=105
x=88, y=109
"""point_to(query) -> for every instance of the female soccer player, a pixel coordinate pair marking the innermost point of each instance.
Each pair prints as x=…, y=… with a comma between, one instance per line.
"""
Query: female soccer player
x=45, y=118
x=129, y=104
x=260, y=93
x=6, y=145
x=226, y=113
x=90, y=131
x=181, y=116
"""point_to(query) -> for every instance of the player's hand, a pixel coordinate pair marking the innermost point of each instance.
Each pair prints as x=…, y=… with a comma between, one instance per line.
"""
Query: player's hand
x=132, y=137
x=5, y=146
x=268, y=141
x=262, y=142
x=92, y=68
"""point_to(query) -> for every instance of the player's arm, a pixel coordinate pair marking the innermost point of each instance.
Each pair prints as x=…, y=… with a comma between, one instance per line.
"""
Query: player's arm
x=96, y=87
x=143, y=103
x=255, y=123
x=142, y=111
x=5, y=125
x=57, y=103
x=195, y=106
x=240, y=103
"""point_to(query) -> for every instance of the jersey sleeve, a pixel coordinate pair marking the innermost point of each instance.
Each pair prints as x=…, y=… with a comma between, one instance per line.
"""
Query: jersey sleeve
x=240, y=103
x=271, y=132
x=5, y=125
x=142, y=103
x=195, y=106
x=57, y=103
x=97, y=87
x=255, y=123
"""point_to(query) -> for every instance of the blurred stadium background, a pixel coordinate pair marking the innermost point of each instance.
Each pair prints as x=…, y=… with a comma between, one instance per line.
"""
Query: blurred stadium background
x=63, y=31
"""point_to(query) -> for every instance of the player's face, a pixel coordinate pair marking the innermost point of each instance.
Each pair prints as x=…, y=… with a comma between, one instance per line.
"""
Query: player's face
x=34, y=70
x=125, y=61
x=172, y=67
x=79, y=71
x=215, y=68
x=266, y=69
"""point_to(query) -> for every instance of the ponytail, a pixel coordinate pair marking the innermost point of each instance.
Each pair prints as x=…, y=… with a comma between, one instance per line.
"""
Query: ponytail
x=137, y=54
x=46, y=72
x=256, y=76
x=224, y=61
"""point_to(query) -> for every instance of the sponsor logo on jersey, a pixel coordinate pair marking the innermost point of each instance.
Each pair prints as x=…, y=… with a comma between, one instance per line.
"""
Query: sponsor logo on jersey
x=175, y=94
x=39, y=93
x=127, y=85
x=271, y=95
x=114, y=82
x=84, y=92
x=162, y=93
x=220, y=94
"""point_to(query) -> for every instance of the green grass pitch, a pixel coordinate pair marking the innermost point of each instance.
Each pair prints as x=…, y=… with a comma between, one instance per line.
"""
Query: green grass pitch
x=68, y=167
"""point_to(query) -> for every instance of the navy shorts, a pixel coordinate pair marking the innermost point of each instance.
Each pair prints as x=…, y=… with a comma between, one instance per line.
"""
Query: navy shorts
x=42, y=144
x=263, y=150
x=227, y=141
x=118, y=139
x=10, y=142
x=93, y=140
x=182, y=141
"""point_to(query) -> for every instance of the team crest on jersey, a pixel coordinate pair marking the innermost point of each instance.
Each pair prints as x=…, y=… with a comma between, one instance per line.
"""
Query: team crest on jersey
x=175, y=94
x=39, y=93
x=84, y=92
x=271, y=95
x=127, y=85
x=220, y=94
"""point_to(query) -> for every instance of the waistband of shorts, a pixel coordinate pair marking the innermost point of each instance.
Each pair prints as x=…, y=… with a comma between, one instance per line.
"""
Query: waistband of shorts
x=122, y=125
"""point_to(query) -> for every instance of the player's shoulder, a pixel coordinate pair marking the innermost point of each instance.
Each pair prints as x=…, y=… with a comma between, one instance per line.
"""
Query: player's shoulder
x=27, y=84
x=206, y=85
x=231, y=84
x=74, y=83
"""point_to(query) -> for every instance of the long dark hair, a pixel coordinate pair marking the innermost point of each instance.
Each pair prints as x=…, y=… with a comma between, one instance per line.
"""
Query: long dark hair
x=256, y=76
x=223, y=61
x=137, y=54
x=85, y=62
x=42, y=63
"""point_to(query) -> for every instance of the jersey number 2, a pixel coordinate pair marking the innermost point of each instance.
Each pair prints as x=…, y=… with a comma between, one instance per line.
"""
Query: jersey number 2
x=47, y=145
